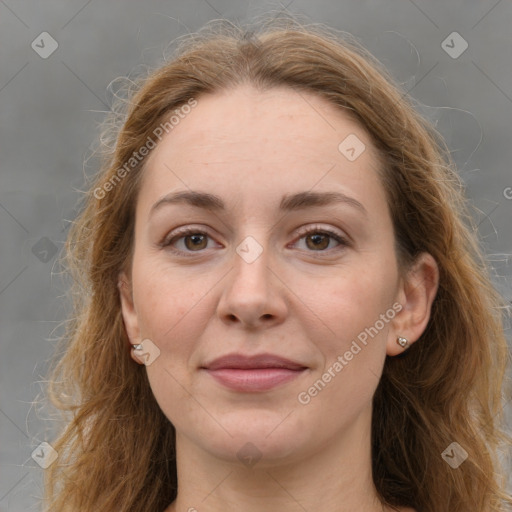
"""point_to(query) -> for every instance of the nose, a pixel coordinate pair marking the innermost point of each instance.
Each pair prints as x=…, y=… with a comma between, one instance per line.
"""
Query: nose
x=254, y=295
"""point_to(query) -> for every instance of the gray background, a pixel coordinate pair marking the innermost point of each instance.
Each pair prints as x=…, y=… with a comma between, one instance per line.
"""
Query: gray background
x=50, y=110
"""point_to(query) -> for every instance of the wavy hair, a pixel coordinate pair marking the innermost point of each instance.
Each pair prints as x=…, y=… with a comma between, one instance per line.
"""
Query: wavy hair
x=116, y=447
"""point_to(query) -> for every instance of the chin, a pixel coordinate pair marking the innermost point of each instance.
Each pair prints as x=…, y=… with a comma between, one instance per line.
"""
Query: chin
x=259, y=438
x=251, y=452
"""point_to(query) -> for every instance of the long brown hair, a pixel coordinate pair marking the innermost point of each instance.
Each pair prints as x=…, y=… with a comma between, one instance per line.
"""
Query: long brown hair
x=116, y=447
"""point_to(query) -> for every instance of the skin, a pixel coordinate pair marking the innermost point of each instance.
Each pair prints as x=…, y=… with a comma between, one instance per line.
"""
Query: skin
x=295, y=300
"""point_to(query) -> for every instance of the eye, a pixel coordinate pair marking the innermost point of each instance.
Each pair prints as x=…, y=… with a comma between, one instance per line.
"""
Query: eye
x=318, y=239
x=194, y=240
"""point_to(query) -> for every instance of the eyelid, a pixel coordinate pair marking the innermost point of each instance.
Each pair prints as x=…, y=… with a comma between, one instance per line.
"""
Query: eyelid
x=308, y=228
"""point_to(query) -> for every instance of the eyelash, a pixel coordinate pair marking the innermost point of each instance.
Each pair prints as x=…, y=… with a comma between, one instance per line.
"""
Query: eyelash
x=167, y=242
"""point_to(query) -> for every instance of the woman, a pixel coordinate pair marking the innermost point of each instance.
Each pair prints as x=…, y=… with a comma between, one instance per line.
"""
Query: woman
x=280, y=302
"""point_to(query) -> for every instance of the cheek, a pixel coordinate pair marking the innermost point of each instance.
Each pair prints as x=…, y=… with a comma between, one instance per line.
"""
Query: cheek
x=352, y=357
x=171, y=312
x=355, y=296
x=356, y=306
x=165, y=298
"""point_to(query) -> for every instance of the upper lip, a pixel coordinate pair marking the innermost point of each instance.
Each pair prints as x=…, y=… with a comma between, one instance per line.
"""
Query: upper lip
x=241, y=361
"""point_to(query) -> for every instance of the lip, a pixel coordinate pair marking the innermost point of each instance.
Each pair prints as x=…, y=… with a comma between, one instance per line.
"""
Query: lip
x=253, y=373
x=257, y=361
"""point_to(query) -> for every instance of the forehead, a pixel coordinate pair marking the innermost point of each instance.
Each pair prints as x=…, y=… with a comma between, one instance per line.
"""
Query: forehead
x=243, y=140
x=280, y=118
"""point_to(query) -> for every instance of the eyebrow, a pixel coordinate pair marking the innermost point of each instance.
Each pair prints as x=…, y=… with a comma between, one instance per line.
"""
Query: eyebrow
x=298, y=201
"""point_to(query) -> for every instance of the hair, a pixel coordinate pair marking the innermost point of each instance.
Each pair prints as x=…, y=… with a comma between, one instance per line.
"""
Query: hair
x=116, y=447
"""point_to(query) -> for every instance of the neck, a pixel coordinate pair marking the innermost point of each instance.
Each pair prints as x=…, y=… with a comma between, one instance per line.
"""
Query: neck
x=335, y=477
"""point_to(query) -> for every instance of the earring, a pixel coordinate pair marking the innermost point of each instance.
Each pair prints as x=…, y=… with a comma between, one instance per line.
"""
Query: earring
x=137, y=347
x=403, y=342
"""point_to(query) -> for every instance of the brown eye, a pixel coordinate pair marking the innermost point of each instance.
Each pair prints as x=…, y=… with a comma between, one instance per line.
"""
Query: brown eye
x=318, y=241
x=197, y=241
x=187, y=241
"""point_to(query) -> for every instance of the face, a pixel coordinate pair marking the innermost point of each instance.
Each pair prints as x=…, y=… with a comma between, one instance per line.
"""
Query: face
x=265, y=268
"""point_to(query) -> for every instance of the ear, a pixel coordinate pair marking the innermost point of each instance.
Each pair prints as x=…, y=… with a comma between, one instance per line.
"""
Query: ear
x=416, y=294
x=130, y=318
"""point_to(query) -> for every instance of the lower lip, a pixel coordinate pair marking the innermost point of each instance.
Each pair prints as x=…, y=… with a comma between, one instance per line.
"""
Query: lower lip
x=254, y=379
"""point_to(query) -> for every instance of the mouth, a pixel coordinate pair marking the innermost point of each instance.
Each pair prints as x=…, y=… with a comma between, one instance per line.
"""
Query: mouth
x=253, y=373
